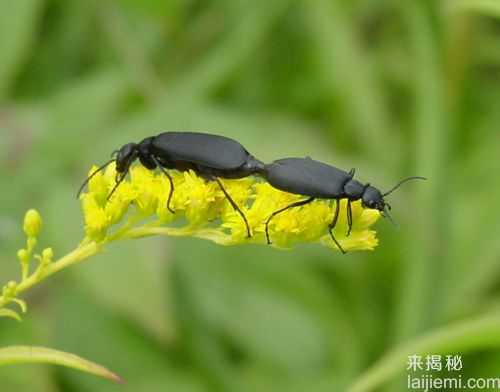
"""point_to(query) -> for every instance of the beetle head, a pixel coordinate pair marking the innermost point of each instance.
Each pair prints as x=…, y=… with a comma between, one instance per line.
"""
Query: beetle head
x=125, y=156
x=373, y=198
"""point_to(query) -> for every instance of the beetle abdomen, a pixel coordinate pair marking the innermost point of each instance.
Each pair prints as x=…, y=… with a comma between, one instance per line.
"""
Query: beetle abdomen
x=304, y=176
x=214, y=151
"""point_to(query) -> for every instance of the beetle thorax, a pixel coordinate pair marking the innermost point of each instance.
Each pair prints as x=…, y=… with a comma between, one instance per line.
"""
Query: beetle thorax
x=145, y=153
x=353, y=189
x=145, y=146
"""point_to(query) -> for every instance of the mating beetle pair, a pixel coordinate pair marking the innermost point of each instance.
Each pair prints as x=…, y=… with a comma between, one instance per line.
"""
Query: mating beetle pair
x=214, y=157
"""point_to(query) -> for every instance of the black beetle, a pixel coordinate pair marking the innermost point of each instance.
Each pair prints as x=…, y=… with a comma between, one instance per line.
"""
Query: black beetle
x=210, y=156
x=305, y=176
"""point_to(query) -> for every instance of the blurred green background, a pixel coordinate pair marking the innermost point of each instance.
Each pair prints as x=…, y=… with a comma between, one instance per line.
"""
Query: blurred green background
x=393, y=88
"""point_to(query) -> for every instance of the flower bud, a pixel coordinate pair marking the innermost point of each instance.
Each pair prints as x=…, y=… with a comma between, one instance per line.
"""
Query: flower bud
x=9, y=290
x=47, y=255
x=23, y=255
x=32, y=223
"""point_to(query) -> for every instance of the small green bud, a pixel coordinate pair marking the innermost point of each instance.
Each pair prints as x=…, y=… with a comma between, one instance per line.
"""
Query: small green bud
x=23, y=255
x=32, y=223
x=9, y=290
x=47, y=255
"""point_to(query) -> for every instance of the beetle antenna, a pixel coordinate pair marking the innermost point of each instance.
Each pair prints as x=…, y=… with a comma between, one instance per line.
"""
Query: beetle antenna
x=402, y=182
x=386, y=214
x=92, y=175
x=118, y=182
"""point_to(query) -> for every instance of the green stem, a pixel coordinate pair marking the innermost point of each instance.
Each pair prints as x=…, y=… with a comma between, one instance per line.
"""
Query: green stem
x=123, y=230
x=79, y=254
x=87, y=249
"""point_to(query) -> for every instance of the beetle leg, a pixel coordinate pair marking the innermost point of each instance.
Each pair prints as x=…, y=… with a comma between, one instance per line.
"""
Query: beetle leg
x=332, y=225
x=351, y=172
x=118, y=180
x=349, y=218
x=235, y=206
x=171, y=192
x=296, y=204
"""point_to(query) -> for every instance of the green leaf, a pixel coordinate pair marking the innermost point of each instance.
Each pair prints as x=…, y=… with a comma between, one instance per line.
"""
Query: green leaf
x=346, y=69
x=239, y=44
x=431, y=145
x=10, y=313
x=30, y=354
x=149, y=364
x=462, y=337
x=17, y=27
x=486, y=7
x=145, y=301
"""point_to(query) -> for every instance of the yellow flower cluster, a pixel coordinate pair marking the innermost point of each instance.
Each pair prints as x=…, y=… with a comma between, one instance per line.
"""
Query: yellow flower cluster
x=138, y=208
x=202, y=210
